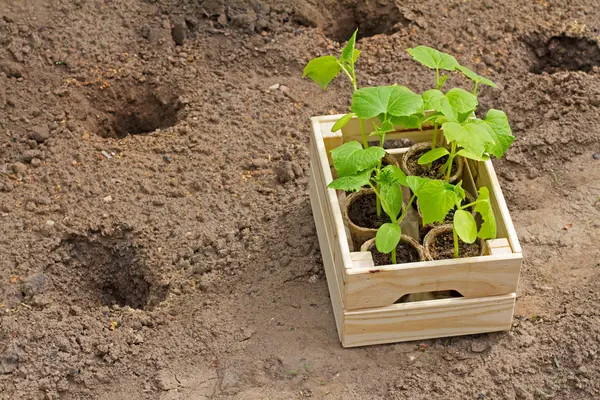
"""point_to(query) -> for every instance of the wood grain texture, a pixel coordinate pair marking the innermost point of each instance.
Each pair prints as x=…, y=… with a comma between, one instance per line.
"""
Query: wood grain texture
x=473, y=277
x=428, y=319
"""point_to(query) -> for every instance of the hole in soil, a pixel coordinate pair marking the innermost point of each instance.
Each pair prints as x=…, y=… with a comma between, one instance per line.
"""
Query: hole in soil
x=371, y=18
x=437, y=295
x=565, y=53
x=110, y=271
x=136, y=110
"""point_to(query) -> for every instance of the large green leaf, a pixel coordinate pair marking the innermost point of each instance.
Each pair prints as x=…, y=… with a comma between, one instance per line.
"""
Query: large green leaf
x=387, y=238
x=351, y=183
x=472, y=136
x=433, y=155
x=416, y=182
x=500, y=131
x=462, y=102
x=467, y=154
x=433, y=58
x=385, y=127
x=476, y=77
x=348, y=53
x=391, y=200
x=322, y=70
x=340, y=123
x=394, y=100
x=465, y=226
x=434, y=99
x=350, y=158
x=436, y=199
x=484, y=208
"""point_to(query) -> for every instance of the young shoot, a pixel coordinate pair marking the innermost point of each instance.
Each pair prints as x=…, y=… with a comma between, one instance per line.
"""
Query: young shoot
x=386, y=184
x=437, y=198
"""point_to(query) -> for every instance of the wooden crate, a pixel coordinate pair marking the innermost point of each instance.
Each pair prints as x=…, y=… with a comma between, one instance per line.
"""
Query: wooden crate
x=364, y=296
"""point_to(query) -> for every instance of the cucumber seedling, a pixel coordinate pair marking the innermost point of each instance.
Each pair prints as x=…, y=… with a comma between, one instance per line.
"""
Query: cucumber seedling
x=438, y=198
x=386, y=183
x=467, y=135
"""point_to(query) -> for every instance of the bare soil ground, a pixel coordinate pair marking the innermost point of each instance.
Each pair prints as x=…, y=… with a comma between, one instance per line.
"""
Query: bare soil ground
x=181, y=261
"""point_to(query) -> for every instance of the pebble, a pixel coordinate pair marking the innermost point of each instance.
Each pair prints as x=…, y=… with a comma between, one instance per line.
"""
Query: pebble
x=105, y=154
x=274, y=87
x=19, y=168
x=35, y=162
x=30, y=206
x=284, y=89
x=479, y=346
x=596, y=156
x=39, y=133
x=178, y=32
x=108, y=199
x=284, y=171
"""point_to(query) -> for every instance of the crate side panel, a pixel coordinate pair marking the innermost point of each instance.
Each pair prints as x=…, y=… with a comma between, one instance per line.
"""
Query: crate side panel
x=472, y=277
x=428, y=319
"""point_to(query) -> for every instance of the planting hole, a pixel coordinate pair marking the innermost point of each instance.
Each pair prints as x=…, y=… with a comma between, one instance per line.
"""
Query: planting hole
x=136, y=110
x=437, y=295
x=111, y=270
x=565, y=52
x=370, y=18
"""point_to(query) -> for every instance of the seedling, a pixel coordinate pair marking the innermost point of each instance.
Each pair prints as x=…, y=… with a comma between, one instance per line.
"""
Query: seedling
x=361, y=168
x=467, y=135
x=437, y=198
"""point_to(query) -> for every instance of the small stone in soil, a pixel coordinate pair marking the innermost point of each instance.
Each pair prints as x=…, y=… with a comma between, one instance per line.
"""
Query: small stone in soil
x=19, y=168
x=39, y=133
x=596, y=156
x=178, y=32
x=284, y=171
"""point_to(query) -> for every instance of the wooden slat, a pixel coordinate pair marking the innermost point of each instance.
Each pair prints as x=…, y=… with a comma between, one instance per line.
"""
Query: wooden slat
x=472, y=277
x=333, y=283
x=499, y=247
x=484, y=175
x=428, y=319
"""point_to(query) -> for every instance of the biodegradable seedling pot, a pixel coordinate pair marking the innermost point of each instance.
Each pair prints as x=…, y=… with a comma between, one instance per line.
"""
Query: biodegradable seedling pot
x=432, y=240
x=360, y=232
x=416, y=151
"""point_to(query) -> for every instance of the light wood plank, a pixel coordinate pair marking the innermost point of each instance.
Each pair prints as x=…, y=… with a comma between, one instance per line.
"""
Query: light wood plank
x=499, y=247
x=367, y=287
x=428, y=319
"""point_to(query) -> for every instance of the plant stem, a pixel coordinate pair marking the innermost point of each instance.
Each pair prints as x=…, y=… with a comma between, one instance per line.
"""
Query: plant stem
x=455, y=237
x=394, y=255
x=449, y=162
x=475, y=89
x=403, y=215
x=377, y=199
x=363, y=133
x=435, y=135
x=437, y=78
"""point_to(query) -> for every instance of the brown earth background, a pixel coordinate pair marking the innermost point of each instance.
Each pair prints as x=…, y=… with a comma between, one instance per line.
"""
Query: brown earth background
x=181, y=262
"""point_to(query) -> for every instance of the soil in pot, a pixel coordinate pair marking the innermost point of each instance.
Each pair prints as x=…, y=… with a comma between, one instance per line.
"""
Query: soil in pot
x=408, y=250
x=439, y=245
x=362, y=212
x=411, y=166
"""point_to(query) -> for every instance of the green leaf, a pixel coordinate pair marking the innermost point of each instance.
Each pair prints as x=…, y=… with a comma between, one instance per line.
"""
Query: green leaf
x=500, y=132
x=387, y=237
x=322, y=70
x=436, y=199
x=462, y=102
x=390, y=174
x=355, y=55
x=342, y=157
x=465, y=226
x=416, y=182
x=347, y=56
x=433, y=155
x=472, y=136
x=476, y=77
x=350, y=158
x=443, y=79
x=483, y=206
x=394, y=100
x=436, y=100
x=340, y=123
x=351, y=183
x=391, y=200
x=408, y=122
x=467, y=154
x=433, y=58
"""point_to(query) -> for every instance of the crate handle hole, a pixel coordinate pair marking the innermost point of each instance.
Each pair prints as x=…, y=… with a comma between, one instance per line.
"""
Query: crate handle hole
x=422, y=296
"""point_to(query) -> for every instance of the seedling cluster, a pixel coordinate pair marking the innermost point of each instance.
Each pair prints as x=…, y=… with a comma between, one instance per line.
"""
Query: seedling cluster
x=451, y=113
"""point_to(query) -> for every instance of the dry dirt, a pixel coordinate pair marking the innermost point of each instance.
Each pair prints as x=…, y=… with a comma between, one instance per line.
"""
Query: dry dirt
x=181, y=262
